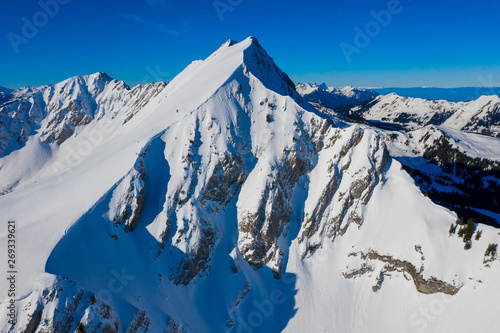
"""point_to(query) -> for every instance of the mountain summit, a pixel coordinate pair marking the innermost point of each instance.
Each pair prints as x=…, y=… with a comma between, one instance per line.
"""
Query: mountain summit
x=224, y=202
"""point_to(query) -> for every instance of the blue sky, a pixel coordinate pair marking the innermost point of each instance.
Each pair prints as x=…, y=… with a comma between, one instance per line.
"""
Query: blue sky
x=426, y=43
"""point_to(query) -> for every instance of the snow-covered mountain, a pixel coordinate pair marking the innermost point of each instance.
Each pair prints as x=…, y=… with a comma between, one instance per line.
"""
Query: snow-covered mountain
x=5, y=94
x=332, y=97
x=56, y=111
x=479, y=116
x=225, y=202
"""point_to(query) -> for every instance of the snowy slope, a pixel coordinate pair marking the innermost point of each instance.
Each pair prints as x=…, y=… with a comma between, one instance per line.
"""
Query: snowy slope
x=41, y=119
x=456, y=169
x=5, y=95
x=223, y=201
x=332, y=97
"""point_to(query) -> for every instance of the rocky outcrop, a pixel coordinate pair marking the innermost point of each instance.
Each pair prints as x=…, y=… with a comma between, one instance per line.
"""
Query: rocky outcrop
x=140, y=323
x=266, y=226
x=425, y=286
x=128, y=197
x=224, y=181
x=64, y=306
x=197, y=260
x=348, y=187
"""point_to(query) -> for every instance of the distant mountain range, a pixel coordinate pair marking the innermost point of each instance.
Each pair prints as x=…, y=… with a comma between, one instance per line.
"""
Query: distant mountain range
x=480, y=116
x=332, y=97
x=448, y=94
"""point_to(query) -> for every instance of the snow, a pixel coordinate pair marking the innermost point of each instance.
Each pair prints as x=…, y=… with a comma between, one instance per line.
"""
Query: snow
x=476, y=116
x=333, y=96
x=63, y=198
x=474, y=145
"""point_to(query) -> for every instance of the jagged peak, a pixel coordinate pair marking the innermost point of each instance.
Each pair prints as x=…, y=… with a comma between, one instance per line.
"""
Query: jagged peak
x=92, y=82
x=323, y=86
x=262, y=66
x=96, y=77
x=101, y=76
x=248, y=42
x=88, y=78
x=230, y=42
x=231, y=59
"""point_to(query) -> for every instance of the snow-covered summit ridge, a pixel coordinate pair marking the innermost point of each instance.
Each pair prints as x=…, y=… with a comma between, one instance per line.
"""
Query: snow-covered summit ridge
x=250, y=56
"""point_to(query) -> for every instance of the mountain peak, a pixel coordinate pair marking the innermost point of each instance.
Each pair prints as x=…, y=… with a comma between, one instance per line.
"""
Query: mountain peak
x=323, y=86
x=101, y=75
x=222, y=181
x=230, y=42
x=248, y=42
x=261, y=65
x=232, y=59
x=98, y=78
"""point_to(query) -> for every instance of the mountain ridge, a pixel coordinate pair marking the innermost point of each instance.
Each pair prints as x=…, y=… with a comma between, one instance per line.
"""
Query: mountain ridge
x=332, y=97
x=478, y=116
x=226, y=182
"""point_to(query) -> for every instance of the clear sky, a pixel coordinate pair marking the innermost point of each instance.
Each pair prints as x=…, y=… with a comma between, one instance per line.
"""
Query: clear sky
x=442, y=43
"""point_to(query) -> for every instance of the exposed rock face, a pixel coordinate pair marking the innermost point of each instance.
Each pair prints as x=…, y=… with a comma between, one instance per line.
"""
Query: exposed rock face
x=225, y=180
x=140, y=323
x=358, y=272
x=128, y=197
x=425, y=286
x=66, y=307
x=194, y=203
x=349, y=185
x=267, y=225
x=261, y=65
x=197, y=260
x=346, y=191
x=19, y=118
